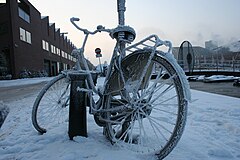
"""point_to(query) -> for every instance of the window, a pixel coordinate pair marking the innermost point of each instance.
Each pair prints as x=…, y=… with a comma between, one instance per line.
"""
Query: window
x=23, y=15
x=22, y=34
x=28, y=37
x=45, y=45
x=25, y=35
x=24, y=10
x=58, y=51
x=58, y=66
x=64, y=55
x=53, y=49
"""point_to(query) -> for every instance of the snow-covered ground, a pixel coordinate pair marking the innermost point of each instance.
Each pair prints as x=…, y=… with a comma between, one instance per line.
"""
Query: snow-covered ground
x=212, y=132
x=15, y=82
x=213, y=78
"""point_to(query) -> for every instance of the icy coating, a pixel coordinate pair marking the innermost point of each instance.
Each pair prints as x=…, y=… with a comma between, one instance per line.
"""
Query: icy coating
x=182, y=75
x=153, y=42
x=213, y=119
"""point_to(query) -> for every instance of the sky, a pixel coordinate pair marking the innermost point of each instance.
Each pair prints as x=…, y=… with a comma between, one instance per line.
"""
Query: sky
x=194, y=20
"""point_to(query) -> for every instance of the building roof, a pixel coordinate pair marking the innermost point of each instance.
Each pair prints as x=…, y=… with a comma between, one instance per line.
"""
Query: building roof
x=42, y=17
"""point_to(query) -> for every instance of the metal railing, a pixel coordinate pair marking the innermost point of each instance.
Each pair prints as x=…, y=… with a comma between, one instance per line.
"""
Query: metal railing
x=201, y=65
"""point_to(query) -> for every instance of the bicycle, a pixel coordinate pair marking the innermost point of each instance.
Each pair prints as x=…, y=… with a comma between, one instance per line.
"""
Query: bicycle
x=142, y=104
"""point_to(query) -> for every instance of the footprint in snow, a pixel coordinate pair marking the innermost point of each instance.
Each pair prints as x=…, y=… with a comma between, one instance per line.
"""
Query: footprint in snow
x=221, y=153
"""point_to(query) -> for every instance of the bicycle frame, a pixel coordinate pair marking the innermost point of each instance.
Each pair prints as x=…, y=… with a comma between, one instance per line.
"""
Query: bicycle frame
x=123, y=34
x=79, y=53
x=143, y=102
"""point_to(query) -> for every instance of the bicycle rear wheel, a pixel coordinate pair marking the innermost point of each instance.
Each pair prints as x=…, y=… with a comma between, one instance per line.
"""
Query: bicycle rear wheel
x=147, y=116
x=51, y=107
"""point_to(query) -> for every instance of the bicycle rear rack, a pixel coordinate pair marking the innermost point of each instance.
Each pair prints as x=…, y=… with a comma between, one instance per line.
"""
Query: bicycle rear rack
x=152, y=42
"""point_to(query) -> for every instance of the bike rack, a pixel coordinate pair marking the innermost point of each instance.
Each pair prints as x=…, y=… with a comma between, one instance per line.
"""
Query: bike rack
x=77, y=109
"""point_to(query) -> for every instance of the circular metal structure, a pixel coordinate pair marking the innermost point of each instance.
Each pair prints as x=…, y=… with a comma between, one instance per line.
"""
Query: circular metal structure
x=186, y=57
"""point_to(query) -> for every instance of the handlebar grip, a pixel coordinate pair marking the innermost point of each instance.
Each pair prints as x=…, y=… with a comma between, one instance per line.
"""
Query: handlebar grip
x=74, y=19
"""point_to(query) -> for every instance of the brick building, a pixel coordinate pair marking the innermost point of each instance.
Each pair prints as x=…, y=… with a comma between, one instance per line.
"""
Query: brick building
x=28, y=42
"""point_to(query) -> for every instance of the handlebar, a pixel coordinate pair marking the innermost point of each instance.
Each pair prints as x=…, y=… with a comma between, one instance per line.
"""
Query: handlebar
x=112, y=32
x=100, y=28
x=74, y=19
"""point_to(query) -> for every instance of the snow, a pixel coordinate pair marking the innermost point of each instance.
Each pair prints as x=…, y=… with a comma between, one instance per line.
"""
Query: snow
x=213, y=78
x=16, y=82
x=212, y=132
x=4, y=110
x=183, y=78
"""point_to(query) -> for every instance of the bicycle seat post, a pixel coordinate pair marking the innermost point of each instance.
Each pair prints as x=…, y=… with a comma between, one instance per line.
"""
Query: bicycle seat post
x=121, y=10
x=121, y=21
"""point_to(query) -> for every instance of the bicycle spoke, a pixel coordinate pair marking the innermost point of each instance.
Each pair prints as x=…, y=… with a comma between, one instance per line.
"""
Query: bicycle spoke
x=163, y=92
x=173, y=97
x=155, y=129
x=50, y=108
x=154, y=109
x=132, y=127
x=158, y=109
x=153, y=89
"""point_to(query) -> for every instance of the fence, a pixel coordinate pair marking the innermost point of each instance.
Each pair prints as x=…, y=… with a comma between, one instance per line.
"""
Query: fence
x=231, y=66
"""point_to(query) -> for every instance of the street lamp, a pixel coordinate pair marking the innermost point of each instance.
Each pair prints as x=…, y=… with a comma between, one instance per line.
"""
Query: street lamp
x=99, y=55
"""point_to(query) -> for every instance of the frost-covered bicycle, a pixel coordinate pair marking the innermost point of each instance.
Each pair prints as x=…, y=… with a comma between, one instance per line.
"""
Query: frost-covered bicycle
x=142, y=104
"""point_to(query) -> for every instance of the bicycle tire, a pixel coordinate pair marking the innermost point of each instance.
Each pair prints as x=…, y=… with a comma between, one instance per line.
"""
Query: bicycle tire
x=153, y=116
x=52, y=104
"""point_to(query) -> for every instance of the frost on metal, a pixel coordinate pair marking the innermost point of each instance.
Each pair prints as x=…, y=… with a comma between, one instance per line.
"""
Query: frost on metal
x=182, y=75
x=153, y=42
x=121, y=10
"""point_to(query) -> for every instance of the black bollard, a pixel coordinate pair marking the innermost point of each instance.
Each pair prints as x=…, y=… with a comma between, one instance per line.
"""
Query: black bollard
x=77, y=110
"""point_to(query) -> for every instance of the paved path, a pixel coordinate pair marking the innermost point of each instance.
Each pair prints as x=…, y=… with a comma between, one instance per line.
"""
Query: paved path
x=11, y=93
x=8, y=94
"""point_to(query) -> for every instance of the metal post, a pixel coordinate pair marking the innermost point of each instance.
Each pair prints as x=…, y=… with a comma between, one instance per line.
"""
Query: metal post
x=121, y=10
x=77, y=110
x=121, y=21
x=100, y=65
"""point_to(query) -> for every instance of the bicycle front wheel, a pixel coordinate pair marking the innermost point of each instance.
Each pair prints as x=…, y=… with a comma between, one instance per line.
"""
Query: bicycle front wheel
x=51, y=107
x=147, y=116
